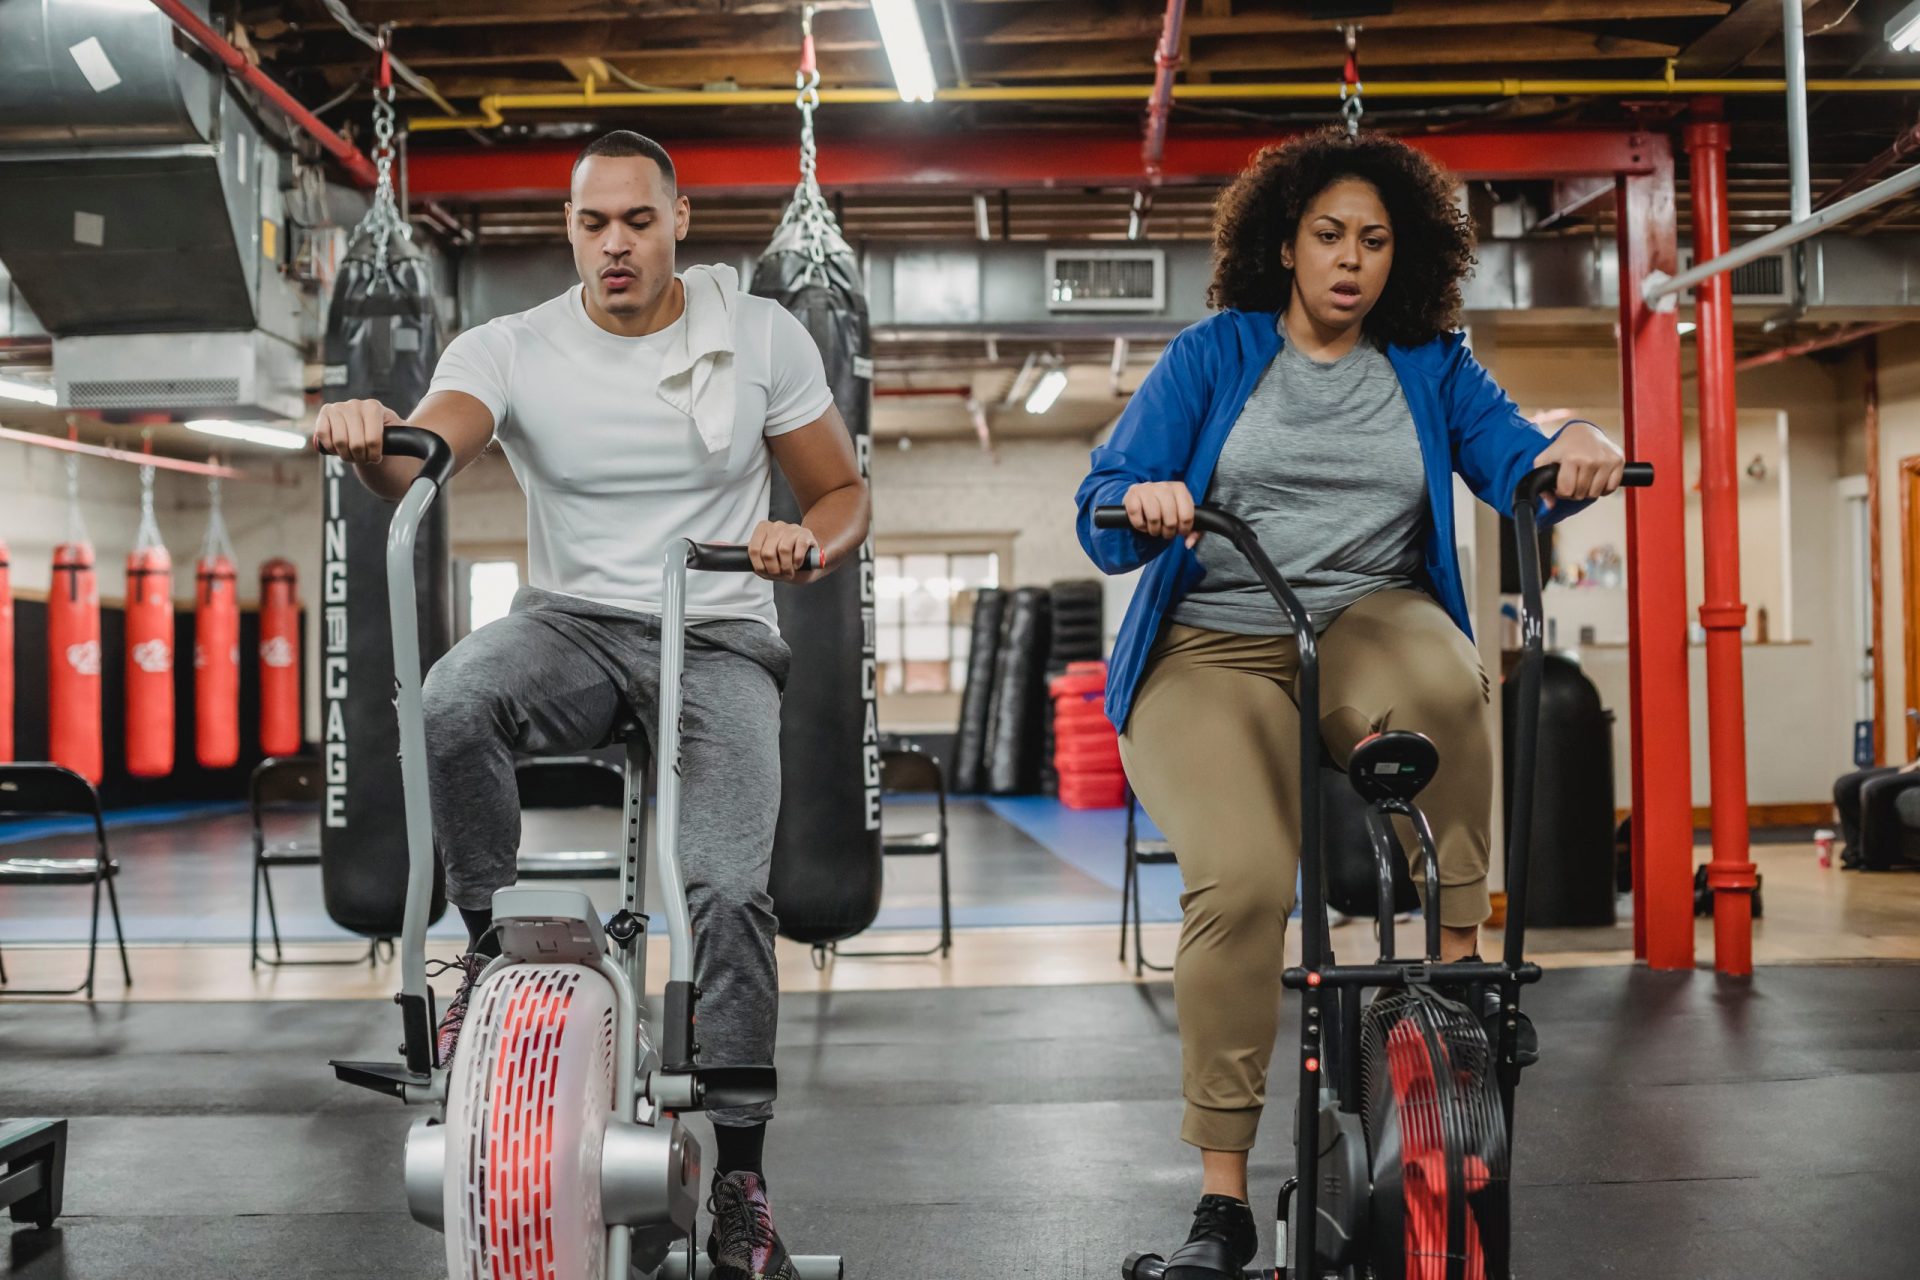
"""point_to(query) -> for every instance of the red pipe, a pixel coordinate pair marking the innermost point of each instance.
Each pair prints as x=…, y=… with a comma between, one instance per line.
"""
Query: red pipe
x=962, y=392
x=1843, y=338
x=1723, y=614
x=1656, y=573
x=1166, y=60
x=207, y=38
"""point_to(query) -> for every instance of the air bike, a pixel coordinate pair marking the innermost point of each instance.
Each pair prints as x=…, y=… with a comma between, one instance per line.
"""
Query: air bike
x=1403, y=1172
x=554, y=1149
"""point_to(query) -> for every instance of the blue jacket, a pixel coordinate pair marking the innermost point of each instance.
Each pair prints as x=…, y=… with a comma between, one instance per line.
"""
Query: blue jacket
x=1178, y=421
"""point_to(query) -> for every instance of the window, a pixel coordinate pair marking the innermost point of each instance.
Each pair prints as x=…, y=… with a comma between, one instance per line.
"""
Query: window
x=490, y=588
x=923, y=606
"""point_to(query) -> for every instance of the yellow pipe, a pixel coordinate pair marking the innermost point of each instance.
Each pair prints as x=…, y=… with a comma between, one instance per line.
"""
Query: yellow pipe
x=492, y=105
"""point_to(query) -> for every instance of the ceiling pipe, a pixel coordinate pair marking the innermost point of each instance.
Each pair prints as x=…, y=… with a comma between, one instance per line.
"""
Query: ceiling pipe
x=962, y=392
x=212, y=470
x=1166, y=61
x=1846, y=337
x=1793, y=34
x=194, y=28
x=490, y=106
x=1903, y=147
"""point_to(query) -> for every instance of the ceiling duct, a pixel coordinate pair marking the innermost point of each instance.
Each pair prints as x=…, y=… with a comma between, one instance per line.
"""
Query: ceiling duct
x=142, y=198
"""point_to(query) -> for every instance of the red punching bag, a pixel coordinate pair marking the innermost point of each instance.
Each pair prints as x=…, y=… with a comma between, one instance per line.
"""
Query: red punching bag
x=6, y=655
x=216, y=646
x=73, y=662
x=279, y=659
x=149, y=646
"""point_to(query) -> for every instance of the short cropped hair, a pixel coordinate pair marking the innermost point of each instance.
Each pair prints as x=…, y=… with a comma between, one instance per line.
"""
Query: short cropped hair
x=625, y=142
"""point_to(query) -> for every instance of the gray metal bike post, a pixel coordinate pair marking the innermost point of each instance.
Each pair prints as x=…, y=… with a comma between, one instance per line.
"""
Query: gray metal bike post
x=673, y=652
x=402, y=610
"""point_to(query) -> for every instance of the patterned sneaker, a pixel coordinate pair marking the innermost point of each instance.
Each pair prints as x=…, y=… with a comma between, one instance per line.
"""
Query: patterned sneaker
x=469, y=967
x=743, y=1244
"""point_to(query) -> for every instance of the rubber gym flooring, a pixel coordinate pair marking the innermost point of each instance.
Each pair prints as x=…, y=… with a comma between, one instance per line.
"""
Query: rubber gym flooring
x=1679, y=1126
x=1015, y=862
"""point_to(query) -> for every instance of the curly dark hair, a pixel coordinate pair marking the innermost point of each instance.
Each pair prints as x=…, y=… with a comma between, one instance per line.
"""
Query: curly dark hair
x=1261, y=211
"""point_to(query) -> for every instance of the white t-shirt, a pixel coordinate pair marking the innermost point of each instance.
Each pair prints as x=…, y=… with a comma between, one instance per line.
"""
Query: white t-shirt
x=611, y=472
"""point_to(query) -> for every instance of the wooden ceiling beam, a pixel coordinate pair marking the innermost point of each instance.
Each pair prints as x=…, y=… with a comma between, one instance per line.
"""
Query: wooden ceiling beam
x=1735, y=38
x=1061, y=21
x=491, y=13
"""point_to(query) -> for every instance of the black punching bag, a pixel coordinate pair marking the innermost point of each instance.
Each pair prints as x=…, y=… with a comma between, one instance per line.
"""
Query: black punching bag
x=826, y=875
x=381, y=344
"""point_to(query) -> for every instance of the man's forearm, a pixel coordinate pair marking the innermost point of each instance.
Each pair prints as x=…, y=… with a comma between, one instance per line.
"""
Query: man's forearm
x=388, y=478
x=839, y=522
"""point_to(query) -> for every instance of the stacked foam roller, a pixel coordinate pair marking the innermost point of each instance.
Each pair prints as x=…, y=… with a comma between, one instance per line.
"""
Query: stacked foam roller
x=1086, y=750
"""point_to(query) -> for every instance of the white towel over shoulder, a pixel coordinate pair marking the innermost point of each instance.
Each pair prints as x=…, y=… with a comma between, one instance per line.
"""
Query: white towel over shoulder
x=696, y=374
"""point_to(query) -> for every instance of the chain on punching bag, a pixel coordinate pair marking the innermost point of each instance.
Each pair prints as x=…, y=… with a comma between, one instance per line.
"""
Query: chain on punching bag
x=381, y=343
x=826, y=853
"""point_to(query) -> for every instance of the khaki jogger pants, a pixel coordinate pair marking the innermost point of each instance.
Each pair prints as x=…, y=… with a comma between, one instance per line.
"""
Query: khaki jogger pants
x=1212, y=749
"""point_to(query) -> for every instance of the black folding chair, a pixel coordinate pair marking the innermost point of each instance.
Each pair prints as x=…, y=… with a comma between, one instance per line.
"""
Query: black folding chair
x=1140, y=853
x=38, y=790
x=572, y=782
x=287, y=784
x=910, y=770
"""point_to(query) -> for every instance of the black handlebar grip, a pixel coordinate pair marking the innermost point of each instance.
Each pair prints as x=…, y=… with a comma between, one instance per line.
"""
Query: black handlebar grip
x=731, y=557
x=1111, y=518
x=1541, y=480
x=1205, y=519
x=435, y=454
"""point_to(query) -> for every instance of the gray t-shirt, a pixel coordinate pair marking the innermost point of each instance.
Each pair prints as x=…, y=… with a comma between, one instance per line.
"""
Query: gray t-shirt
x=1325, y=464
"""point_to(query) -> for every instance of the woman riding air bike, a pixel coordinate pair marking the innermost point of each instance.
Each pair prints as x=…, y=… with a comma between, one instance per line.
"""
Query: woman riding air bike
x=1329, y=403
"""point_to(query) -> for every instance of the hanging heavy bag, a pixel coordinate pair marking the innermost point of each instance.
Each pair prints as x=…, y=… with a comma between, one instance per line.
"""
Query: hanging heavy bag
x=381, y=342
x=149, y=727
x=73, y=662
x=149, y=645
x=216, y=644
x=279, y=659
x=216, y=664
x=6, y=655
x=826, y=873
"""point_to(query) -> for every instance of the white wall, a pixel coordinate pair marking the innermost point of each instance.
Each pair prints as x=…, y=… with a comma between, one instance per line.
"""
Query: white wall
x=1797, y=693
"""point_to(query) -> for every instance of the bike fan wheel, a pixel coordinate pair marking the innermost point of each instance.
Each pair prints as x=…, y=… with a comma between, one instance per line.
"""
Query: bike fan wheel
x=527, y=1107
x=1437, y=1138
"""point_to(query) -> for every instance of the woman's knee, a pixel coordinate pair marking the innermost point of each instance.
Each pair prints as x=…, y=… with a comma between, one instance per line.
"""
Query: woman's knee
x=1228, y=908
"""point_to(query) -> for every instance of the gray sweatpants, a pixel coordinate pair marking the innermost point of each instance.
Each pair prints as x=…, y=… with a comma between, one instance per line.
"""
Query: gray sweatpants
x=553, y=676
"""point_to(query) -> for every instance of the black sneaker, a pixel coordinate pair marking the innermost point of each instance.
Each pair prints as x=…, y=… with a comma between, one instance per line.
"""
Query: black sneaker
x=743, y=1244
x=1526, y=1040
x=1483, y=998
x=1222, y=1242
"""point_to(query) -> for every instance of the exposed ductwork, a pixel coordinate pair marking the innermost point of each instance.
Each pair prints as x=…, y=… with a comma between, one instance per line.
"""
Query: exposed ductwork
x=143, y=199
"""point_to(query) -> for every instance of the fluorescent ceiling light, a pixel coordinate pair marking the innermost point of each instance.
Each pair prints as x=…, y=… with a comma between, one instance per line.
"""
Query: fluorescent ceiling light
x=27, y=391
x=251, y=432
x=1903, y=29
x=906, y=49
x=1687, y=327
x=1051, y=384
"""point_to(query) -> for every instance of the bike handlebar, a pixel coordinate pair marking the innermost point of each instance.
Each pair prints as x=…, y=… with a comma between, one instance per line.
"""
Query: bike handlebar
x=435, y=454
x=731, y=557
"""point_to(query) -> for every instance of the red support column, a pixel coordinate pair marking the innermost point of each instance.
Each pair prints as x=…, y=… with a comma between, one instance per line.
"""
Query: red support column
x=1731, y=872
x=1656, y=573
